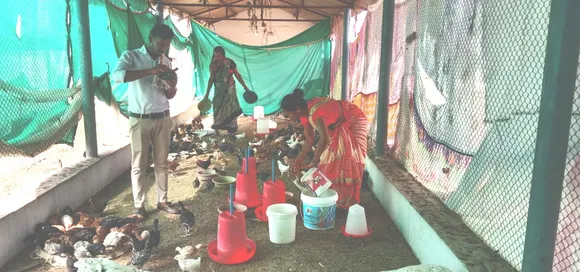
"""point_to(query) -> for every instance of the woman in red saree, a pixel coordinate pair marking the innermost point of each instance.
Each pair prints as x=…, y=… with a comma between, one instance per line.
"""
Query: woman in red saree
x=342, y=146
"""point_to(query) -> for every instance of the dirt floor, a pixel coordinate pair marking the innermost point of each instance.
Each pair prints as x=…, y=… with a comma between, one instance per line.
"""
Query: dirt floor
x=328, y=250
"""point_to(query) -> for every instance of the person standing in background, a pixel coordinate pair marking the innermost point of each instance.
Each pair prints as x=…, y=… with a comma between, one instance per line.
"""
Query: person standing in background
x=226, y=107
x=149, y=120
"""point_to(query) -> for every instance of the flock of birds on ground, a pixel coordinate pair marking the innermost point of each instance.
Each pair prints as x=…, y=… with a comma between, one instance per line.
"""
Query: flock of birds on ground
x=85, y=235
x=189, y=141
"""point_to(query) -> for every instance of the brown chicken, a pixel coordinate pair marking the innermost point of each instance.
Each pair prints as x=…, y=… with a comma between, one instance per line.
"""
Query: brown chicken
x=85, y=220
x=129, y=228
x=99, y=238
x=172, y=165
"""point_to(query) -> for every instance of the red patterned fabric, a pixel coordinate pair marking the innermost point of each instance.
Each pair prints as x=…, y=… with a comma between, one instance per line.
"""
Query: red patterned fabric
x=343, y=161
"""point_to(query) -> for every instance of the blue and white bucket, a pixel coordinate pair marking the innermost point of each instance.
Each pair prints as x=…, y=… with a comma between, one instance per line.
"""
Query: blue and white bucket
x=319, y=213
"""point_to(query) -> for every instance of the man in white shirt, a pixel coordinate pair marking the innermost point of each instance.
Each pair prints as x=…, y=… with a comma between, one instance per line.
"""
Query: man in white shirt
x=149, y=120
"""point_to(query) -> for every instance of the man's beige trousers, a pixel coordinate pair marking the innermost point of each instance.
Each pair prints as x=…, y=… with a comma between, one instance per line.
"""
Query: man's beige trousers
x=143, y=133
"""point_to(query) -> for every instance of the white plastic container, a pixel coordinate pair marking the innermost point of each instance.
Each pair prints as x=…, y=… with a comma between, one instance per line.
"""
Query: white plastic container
x=263, y=126
x=356, y=221
x=282, y=223
x=319, y=213
x=258, y=112
x=273, y=124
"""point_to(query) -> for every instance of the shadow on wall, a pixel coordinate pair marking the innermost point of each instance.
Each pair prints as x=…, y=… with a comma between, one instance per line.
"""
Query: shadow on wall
x=190, y=113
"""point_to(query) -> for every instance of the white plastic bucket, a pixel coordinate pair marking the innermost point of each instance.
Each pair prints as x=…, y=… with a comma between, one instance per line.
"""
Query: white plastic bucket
x=282, y=223
x=318, y=213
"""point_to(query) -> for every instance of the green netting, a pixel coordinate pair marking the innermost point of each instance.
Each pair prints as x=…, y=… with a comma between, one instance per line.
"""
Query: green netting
x=271, y=71
x=39, y=74
x=37, y=105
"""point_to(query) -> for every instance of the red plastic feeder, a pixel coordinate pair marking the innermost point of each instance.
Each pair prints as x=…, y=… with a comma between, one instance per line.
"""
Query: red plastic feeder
x=247, y=190
x=232, y=245
x=369, y=232
x=273, y=193
x=251, y=167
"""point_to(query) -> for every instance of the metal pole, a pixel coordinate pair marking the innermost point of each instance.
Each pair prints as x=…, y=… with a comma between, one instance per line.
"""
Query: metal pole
x=86, y=65
x=345, y=51
x=385, y=76
x=553, y=130
x=160, y=10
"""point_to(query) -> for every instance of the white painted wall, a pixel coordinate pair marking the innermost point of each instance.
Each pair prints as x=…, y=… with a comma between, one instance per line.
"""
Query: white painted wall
x=239, y=31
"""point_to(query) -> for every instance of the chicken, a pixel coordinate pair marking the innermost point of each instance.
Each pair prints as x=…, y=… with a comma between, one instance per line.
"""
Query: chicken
x=188, y=265
x=138, y=244
x=196, y=183
x=141, y=257
x=85, y=220
x=295, y=144
x=283, y=168
x=42, y=232
x=241, y=136
x=102, y=233
x=81, y=234
x=186, y=218
x=70, y=263
x=113, y=239
x=259, y=143
x=172, y=166
x=197, y=124
x=67, y=221
x=154, y=235
x=189, y=251
x=83, y=249
x=292, y=139
x=128, y=228
x=204, y=164
x=102, y=264
x=53, y=246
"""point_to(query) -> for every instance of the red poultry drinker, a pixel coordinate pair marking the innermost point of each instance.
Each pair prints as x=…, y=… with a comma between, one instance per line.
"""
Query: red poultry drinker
x=247, y=189
x=232, y=246
x=273, y=193
x=252, y=166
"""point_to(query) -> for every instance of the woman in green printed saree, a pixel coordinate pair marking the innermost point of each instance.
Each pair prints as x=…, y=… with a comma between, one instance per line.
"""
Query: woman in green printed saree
x=226, y=107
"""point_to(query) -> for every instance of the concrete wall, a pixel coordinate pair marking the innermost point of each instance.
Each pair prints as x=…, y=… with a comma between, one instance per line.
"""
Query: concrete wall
x=436, y=234
x=72, y=186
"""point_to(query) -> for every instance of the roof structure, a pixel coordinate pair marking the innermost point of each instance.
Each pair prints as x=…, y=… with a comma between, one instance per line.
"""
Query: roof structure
x=212, y=11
